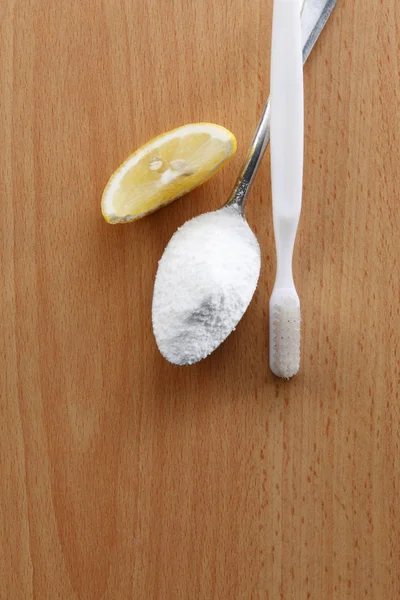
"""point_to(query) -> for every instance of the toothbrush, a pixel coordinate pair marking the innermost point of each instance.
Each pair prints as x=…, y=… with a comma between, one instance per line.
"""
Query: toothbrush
x=287, y=143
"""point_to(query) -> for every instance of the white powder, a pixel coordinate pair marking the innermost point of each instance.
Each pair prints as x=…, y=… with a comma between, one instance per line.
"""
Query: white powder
x=205, y=281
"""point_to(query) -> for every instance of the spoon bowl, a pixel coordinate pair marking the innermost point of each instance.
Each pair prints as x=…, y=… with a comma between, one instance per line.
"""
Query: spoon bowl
x=205, y=281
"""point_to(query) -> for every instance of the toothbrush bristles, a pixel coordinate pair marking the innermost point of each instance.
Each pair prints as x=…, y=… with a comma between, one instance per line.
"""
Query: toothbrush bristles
x=285, y=331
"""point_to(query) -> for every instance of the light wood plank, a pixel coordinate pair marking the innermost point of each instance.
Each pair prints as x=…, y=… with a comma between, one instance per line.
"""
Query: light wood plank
x=122, y=476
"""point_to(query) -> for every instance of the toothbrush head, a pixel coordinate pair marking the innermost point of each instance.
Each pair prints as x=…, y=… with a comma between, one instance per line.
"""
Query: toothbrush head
x=285, y=333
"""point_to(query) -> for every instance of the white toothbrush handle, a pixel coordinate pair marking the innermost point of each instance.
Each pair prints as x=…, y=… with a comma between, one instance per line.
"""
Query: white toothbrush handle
x=287, y=111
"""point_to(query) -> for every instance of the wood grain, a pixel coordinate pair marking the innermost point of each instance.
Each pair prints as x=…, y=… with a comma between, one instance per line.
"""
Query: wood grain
x=121, y=475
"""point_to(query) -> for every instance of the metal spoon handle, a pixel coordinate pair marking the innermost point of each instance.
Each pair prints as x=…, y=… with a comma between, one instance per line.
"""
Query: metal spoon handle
x=314, y=17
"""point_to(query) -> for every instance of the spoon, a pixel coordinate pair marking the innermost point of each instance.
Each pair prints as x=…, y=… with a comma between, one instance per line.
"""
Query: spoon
x=209, y=271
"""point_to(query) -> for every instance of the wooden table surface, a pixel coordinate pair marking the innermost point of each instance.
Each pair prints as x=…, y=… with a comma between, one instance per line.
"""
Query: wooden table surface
x=123, y=476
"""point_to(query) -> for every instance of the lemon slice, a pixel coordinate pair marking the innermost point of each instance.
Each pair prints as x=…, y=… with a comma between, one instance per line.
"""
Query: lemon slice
x=164, y=169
